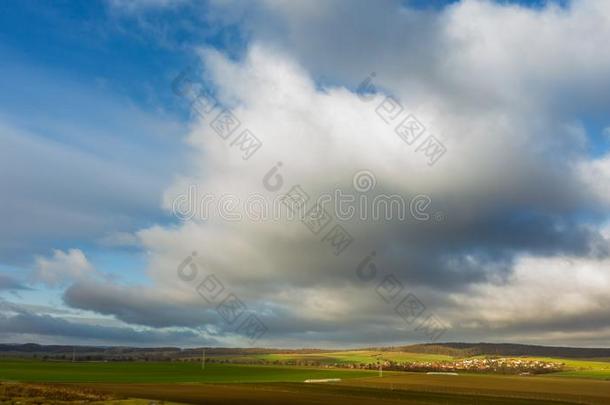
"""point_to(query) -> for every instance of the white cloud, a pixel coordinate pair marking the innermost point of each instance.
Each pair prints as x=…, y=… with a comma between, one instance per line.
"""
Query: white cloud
x=540, y=290
x=596, y=174
x=135, y=6
x=63, y=267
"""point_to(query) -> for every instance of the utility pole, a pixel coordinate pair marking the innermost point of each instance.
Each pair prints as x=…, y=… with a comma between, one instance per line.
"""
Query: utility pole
x=203, y=358
x=73, y=354
x=379, y=360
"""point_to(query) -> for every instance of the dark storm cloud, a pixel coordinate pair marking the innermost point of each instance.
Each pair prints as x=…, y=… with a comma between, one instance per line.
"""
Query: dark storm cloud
x=139, y=306
x=451, y=256
x=45, y=325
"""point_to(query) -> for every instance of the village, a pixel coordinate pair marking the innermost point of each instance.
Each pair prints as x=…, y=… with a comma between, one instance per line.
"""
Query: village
x=514, y=365
x=496, y=365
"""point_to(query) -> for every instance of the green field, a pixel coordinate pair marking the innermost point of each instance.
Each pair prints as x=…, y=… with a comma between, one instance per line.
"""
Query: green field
x=584, y=368
x=341, y=357
x=186, y=382
x=589, y=368
x=162, y=372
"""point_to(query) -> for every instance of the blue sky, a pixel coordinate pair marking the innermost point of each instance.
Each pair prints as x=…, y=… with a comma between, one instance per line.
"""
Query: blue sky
x=86, y=90
x=93, y=140
x=87, y=84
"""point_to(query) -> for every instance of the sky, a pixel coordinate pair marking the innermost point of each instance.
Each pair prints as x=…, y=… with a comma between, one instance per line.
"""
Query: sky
x=231, y=173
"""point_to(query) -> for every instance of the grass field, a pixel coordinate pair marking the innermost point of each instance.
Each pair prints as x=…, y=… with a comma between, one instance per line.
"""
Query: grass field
x=534, y=387
x=302, y=394
x=395, y=388
x=164, y=372
x=590, y=368
x=342, y=357
x=183, y=382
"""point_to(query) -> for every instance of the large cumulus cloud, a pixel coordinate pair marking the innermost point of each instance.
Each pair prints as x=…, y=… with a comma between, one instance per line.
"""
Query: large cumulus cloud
x=515, y=185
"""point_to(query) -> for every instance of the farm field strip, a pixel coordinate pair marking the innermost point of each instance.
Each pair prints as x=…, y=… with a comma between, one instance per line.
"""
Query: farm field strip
x=545, y=387
x=356, y=356
x=297, y=394
x=163, y=372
